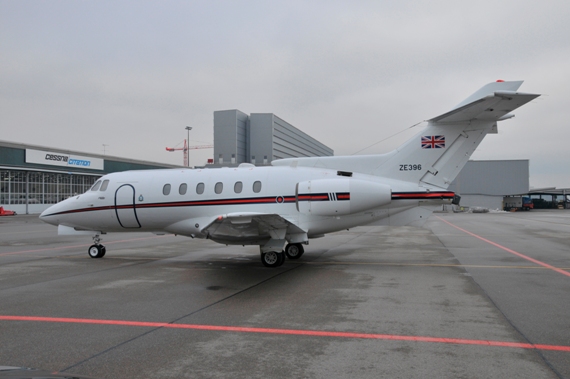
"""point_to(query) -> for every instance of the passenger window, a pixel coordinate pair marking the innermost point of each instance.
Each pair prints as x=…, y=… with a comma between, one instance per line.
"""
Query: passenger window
x=104, y=185
x=219, y=188
x=166, y=189
x=238, y=187
x=257, y=186
x=183, y=188
x=96, y=185
x=200, y=188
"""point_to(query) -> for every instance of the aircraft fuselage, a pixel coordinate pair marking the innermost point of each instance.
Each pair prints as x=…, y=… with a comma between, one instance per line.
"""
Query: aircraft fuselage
x=184, y=201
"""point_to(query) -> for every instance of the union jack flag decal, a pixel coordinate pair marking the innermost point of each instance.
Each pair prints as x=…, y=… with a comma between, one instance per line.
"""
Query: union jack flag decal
x=433, y=142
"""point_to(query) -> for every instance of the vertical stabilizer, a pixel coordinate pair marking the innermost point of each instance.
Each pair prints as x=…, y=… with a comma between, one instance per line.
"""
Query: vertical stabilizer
x=434, y=157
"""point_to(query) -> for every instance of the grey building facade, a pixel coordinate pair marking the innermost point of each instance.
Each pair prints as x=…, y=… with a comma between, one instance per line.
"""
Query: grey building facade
x=484, y=183
x=260, y=138
x=231, y=137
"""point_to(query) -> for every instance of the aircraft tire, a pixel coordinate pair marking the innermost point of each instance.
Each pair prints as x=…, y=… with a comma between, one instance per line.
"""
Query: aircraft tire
x=294, y=250
x=272, y=259
x=96, y=251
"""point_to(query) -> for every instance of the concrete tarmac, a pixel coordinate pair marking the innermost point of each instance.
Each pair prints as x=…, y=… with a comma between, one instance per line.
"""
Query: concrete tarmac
x=451, y=300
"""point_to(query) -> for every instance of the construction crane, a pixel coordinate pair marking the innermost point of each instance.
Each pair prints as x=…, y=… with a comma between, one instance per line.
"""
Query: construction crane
x=185, y=148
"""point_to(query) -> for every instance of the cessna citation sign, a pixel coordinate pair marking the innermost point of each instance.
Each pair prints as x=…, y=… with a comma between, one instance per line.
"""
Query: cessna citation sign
x=281, y=208
x=62, y=159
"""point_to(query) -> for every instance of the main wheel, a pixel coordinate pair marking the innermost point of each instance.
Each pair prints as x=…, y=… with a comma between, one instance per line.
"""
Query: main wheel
x=294, y=250
x=96, y=251
x=272, y=259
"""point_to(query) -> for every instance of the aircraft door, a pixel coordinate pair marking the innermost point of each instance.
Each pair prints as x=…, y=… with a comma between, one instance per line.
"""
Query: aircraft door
x=125, y=207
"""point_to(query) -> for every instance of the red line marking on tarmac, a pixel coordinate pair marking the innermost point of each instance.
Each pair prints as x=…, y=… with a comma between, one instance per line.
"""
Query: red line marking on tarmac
x=558, y=270
x=295, y=332
x=75, y=246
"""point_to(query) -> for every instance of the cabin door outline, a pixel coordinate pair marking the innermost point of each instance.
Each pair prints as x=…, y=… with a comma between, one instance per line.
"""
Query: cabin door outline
x=125, y=207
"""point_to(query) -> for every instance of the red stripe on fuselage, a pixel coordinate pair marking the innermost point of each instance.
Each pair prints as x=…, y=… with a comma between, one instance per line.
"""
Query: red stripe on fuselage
x=259, y=200
x=422, y=195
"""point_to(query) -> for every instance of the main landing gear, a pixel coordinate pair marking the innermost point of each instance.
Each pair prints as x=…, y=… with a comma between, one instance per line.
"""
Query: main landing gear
x=272, y=259
x=96, y=250
x=276, y=259
x=294, y=250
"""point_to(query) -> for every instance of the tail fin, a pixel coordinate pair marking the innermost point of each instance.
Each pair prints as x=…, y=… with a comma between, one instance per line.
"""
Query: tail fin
x=435, y=156
x=446, y=144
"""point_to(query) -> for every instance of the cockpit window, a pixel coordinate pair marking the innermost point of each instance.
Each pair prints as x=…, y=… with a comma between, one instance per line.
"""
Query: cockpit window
x=104, y=185
x=96, y=185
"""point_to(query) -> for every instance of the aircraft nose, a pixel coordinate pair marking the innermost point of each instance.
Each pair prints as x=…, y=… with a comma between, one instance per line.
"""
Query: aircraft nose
x=48, y=216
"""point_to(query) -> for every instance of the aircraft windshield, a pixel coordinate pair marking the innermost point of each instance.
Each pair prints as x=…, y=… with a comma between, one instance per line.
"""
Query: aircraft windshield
x=96, y=185
x=104, y=185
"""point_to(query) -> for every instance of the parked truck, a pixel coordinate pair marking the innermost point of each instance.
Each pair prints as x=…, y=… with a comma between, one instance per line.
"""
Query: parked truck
x=517, y=203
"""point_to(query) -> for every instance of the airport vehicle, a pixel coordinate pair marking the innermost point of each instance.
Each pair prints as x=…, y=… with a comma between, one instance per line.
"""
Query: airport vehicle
x=517, y=203
x=281, y=207
x=6, y=212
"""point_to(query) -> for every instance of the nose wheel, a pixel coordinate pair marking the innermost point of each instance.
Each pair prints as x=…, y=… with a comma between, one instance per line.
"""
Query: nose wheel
x=96, y=250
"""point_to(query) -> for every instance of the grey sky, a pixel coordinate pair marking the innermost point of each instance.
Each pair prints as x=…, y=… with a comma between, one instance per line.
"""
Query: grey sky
x=133, y=74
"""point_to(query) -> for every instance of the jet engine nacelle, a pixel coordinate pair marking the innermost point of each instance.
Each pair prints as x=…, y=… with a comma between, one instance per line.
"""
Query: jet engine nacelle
x=340, y=196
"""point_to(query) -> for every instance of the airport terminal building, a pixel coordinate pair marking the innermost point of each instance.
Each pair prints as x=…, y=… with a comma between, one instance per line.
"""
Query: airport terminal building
x=34, y=177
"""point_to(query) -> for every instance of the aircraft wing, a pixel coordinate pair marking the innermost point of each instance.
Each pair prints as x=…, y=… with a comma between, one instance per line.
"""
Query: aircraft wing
x=251, y=226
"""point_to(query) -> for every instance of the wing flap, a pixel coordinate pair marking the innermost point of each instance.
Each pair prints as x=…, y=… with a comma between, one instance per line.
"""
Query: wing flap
x=241, y=227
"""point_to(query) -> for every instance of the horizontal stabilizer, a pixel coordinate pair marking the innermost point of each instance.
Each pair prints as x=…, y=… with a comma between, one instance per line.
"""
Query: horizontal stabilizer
x=491, y=88
x=488, y=108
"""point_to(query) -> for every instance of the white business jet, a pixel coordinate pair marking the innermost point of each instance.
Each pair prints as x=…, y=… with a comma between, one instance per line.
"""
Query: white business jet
x=280, y=208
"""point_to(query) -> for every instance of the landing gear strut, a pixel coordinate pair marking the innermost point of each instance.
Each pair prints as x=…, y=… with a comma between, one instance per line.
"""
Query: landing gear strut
x=96, y=250
x=272, y=259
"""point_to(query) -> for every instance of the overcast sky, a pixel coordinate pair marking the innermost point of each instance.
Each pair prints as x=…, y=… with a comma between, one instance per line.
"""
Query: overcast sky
x=132, y=74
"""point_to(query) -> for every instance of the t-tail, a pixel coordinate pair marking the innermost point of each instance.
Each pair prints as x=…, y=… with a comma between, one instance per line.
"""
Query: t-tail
x=434, y=156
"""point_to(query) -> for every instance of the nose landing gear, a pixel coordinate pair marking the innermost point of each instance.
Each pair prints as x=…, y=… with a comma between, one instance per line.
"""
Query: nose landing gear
x=96, y=250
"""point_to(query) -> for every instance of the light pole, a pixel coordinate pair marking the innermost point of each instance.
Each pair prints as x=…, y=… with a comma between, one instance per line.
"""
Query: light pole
x=188, y=128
